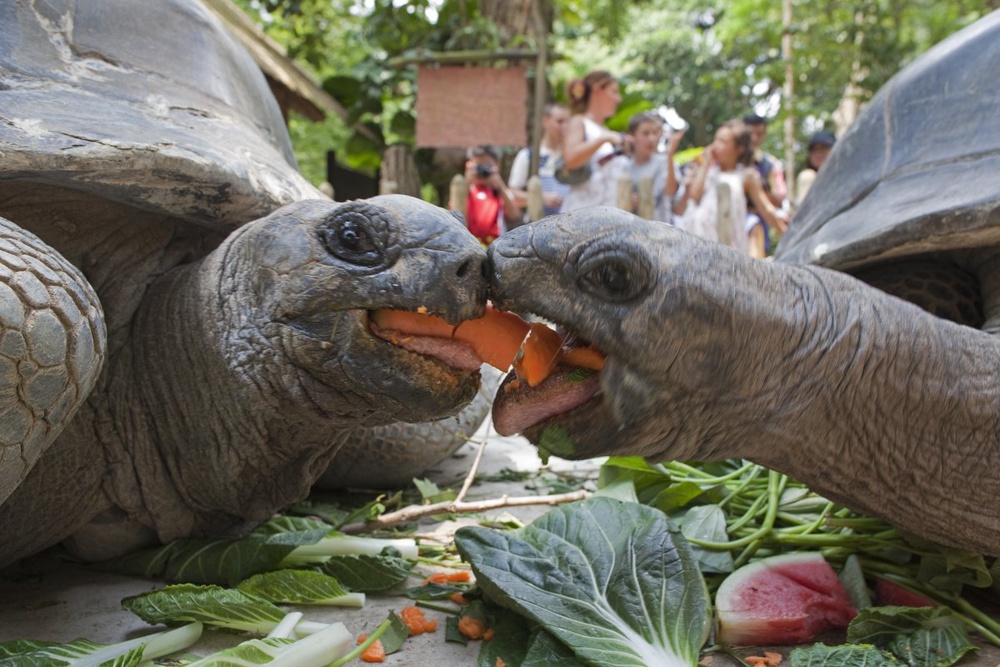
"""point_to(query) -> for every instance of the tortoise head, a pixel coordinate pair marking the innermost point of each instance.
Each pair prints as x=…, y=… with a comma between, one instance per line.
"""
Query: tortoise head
x=299, y=286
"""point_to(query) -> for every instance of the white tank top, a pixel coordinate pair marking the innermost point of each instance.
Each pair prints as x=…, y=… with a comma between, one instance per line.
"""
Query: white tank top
x=602, y=187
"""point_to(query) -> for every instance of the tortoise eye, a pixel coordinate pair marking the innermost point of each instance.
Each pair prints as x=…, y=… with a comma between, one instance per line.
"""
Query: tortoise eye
x=617, y=273
x=357, y=232
x=354, y=238
x=614, y=277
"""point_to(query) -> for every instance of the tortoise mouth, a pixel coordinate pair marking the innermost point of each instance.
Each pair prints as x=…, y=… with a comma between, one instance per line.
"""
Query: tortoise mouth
x=520, y=408
x=449, y=352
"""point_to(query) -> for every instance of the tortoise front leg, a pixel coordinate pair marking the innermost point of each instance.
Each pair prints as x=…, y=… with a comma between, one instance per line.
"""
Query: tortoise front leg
x=52, y=346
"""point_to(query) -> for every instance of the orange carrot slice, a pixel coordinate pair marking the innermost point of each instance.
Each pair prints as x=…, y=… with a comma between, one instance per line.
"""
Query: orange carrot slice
x=473, y=628
x=584, y=357
x=414, y=618
x=374, y=653
x=414, y=323
x=539, y=354
x=495, y=337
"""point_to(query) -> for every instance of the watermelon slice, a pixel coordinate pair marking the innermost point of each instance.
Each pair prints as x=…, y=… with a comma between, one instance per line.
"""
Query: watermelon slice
x=896, y=595
x=787, y=599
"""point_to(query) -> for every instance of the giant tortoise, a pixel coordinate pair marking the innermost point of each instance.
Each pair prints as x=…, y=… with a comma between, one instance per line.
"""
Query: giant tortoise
x=169, y=368
x=888, y=405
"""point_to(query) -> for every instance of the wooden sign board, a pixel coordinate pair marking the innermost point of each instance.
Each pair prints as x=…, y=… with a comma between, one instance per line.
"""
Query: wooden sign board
x=467, y=106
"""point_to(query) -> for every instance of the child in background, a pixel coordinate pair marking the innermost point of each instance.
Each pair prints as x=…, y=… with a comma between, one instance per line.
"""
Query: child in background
x=729, y=159
x=646, y=129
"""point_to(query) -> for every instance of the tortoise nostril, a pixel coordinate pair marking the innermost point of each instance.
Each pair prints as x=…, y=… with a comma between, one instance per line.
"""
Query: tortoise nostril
x=469, y=268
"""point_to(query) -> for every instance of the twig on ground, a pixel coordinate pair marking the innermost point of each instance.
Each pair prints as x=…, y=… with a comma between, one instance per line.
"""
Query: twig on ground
x=458, y=505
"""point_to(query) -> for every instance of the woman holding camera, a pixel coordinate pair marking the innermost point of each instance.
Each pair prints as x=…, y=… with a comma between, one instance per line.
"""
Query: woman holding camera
x=588, y=145
x=489, y=202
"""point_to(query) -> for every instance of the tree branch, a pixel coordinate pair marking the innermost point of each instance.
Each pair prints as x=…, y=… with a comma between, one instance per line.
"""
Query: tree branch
x=459, y=505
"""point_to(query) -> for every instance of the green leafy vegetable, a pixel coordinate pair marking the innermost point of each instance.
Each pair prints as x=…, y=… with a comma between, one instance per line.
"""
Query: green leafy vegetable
x=367, y=574
x=211, y=605
x=395, y=635
x=282, y=542
x=767, y=513
x=555, y=441
x=920, y=636
x=300, y=587
x=84, y=653
x=616, y=582
x=202, y=561
x=544, y=650
x=848, y=655
x=509, y=644
x=431, y=493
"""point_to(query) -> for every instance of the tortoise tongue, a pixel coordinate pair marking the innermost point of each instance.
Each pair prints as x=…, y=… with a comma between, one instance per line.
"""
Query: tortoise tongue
x=452, y=352
x=518, y=406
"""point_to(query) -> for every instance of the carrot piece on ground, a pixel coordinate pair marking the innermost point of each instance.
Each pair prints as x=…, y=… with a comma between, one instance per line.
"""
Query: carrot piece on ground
x=375, y=652
x=539, y=354
x=584, y=357
x=473, y=628
x=501, y=663
x=489, y=634
x=414, y=619
x=496, y=336
x=456, y=576
x=458, y=598
x=437, y=578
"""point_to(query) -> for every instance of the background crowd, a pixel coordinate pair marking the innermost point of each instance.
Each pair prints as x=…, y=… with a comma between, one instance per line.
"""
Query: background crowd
x=581, y=162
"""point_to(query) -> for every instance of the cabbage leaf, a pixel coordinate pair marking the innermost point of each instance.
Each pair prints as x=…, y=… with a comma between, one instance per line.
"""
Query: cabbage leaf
x=614, y=581
x=85, y=653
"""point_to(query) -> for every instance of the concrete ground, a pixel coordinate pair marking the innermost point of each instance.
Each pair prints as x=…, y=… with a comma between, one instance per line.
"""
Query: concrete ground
x=47, y=600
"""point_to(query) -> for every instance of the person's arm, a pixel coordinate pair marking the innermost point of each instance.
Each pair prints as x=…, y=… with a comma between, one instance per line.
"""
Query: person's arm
x=756, y=242
x=697, y=188
x=511, y=210
x=779, y=189
x=671, y=186
x=754, y=189
x=577, y=149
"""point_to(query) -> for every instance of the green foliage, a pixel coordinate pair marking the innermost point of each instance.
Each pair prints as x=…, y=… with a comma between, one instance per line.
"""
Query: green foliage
x=711, y=59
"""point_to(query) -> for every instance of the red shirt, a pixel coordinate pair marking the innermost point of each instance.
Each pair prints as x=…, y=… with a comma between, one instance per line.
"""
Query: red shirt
x=483, y=209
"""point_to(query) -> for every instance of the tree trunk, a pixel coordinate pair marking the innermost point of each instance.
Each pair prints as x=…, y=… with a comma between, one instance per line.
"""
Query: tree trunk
x=399, y=171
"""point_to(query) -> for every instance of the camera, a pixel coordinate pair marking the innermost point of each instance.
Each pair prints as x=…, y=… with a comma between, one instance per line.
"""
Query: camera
x=483, y=170
x=672, y=119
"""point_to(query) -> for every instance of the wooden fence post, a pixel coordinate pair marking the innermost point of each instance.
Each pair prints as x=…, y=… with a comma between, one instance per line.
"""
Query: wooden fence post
x=457, y=193
x=536, y=207
x=623, y=198
x=724, y=214
x=647, y=202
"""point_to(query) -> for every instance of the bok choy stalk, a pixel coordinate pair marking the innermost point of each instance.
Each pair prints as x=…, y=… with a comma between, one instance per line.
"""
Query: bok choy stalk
x=84, y=653
x=339, y=544
x=329, y=645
